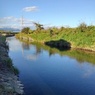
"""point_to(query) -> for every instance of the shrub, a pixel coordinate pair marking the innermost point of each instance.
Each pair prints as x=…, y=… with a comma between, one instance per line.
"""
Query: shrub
x=9, y=62
x=25, y=30
x=15, y=70
x=82, y=27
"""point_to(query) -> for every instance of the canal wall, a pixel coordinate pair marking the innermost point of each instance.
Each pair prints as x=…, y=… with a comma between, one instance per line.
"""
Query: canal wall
x=9, y=80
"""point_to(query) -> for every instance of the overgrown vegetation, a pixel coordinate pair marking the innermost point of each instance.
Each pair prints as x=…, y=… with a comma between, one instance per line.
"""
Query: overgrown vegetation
x=9, y=64
x=8, y=32
x=82, y=36
x=2, y=39
x=4, y=57
x=25, y=30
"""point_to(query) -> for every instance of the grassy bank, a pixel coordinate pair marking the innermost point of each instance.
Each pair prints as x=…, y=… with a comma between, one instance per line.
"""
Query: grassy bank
x=82, y=36
x=4, y=48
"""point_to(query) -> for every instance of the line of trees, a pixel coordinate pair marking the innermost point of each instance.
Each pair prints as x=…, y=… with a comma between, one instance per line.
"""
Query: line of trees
x=39, y=27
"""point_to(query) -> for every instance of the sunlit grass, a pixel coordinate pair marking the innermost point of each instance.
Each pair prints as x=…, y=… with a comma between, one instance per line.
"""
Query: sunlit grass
x=82, y=36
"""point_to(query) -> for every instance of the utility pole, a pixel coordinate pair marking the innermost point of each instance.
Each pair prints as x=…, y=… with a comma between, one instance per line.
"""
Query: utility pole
x=22, y=21
x=21, y=25
x=20, y=34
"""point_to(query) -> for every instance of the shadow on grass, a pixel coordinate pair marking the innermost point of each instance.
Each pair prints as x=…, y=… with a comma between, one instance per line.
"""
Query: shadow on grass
x=59, y=44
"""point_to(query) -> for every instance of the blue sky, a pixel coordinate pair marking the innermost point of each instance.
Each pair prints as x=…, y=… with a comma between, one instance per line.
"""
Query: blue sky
x=48, y=12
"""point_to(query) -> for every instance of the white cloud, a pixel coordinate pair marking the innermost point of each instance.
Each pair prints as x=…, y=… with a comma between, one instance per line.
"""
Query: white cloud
x=31, y=57
x=8, y=18
x=13, y=22
x=30, y=9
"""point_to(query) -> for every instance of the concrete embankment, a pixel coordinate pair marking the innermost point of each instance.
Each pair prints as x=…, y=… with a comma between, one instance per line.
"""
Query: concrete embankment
x=9, y=81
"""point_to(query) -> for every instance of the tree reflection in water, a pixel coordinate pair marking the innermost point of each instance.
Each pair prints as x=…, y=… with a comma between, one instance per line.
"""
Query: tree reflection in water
x=29, y=56
x=80, y=55
x=25, y=46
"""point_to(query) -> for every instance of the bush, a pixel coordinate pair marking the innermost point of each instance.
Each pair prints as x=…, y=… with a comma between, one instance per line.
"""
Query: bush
x=82, y=27
x=9, y=62
x=25, y=30
x=15, y=70
x=11, y=67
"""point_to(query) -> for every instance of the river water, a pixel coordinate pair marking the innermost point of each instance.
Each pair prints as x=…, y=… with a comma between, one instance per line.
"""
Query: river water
x=48, y=71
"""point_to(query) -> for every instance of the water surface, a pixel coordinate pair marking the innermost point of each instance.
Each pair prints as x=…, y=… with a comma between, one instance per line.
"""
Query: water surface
x=47, y=71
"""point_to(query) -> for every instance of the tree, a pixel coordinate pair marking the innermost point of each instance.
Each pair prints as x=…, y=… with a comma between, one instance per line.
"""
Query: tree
x=38, y=26
x=51, y=32
x=82, y=27
x=25, y=30
x=62, y=28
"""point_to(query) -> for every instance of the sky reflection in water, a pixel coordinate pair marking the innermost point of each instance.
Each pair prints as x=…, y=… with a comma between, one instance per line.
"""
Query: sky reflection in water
x=46, y=71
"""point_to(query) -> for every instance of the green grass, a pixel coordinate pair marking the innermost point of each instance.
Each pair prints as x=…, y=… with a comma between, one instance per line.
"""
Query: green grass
x=2, y=39
x=7, y=60
x=10, y=65
x=80, y=37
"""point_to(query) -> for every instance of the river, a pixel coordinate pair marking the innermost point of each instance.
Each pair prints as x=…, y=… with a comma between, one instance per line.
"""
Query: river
x=48, y=71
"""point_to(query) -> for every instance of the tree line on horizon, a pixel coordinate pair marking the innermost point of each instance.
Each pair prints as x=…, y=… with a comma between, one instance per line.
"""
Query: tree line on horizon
x=83, y=27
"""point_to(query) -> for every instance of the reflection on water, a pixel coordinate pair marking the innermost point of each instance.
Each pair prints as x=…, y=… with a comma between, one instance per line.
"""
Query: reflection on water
x=79, y=55
x=25, y=46
x=47, y=71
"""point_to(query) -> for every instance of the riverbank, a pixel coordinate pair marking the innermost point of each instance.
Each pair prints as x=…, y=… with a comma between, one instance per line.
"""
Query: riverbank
x=78, y=41
x=80, y=37
x=9, y=81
